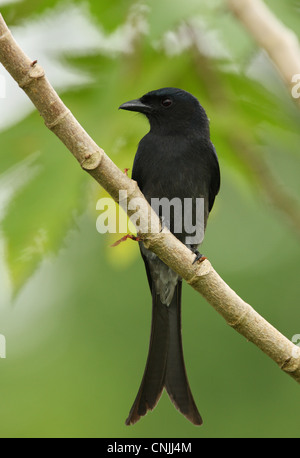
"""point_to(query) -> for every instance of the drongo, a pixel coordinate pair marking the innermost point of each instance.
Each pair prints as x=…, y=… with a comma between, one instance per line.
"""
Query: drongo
x=175, y=160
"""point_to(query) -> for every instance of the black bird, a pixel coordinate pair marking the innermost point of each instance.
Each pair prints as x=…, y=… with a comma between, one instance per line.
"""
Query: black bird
x=176, y=159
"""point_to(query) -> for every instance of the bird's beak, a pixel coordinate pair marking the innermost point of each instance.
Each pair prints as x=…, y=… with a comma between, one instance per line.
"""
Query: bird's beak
x=136, y=105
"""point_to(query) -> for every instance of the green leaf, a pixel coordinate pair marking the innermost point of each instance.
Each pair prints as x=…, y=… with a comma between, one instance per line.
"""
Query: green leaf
x=110, y=13
x=16, y=12
x=168, y=14
x=44, y=208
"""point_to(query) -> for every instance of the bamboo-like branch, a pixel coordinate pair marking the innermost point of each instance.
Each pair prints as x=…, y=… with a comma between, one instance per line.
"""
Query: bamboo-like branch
x=273, y=36
x=202, y=277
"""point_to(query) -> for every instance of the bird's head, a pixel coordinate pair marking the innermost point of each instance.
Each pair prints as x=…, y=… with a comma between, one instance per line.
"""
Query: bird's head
x=170, y=109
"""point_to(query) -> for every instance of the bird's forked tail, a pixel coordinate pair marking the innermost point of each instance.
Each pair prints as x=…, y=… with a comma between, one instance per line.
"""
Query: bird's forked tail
x=165, y=364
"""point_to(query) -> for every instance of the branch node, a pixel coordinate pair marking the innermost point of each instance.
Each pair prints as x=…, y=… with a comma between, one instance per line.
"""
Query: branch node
x=5, y=35
x=91, y=160
x=203, y=269
x=58, y=120
x=235, y=324
x=148, y=241
x=35, y=72
x=291, y=364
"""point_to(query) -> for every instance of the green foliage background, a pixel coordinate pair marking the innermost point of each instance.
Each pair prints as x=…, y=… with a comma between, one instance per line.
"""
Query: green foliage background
x=75, y=312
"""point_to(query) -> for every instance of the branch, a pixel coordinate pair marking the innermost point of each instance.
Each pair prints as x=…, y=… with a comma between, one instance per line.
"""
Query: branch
x=278, y=41
x=202, y=277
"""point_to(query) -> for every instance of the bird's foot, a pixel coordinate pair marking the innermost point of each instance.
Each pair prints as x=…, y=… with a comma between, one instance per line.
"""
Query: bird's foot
x=198, y=257
x=124, y=238
x=126, y=172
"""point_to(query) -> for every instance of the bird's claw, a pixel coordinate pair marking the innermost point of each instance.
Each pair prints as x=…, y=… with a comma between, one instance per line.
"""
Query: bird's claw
x=198, y=257
x=124, y=238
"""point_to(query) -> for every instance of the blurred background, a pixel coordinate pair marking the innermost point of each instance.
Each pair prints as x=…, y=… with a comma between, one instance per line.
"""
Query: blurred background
x=74, y=311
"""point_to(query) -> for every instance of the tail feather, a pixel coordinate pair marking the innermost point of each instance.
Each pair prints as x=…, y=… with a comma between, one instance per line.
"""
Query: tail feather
x=153, y=379
x=165, y=364
x=176, y=381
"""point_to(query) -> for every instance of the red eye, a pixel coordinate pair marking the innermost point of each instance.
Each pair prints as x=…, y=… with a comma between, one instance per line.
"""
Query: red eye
x=166, y=102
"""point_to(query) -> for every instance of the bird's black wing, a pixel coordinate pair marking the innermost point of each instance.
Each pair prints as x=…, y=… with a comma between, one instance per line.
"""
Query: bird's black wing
x=215, y=178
